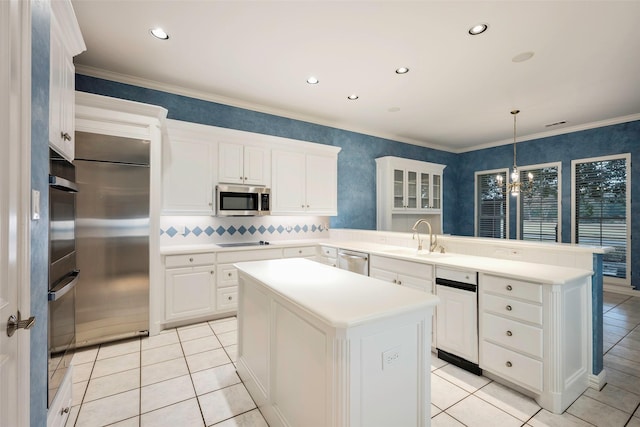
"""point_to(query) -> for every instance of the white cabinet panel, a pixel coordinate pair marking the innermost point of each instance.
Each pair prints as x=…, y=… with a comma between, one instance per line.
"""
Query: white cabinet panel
x=189, y=292
x=243, y=164
x=304, y=183
x=188, y=181
x=65, y=43
x=457, y=322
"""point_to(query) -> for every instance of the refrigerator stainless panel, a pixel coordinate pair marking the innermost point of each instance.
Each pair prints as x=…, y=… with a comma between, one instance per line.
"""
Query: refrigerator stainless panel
x=112, y=238
x=115, y=149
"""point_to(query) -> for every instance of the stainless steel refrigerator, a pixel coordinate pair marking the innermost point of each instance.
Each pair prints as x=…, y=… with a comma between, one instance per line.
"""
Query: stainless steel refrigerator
x=112, y=238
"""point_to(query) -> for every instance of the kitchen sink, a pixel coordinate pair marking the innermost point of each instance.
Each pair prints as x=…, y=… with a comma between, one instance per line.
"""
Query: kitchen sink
x=416, y=253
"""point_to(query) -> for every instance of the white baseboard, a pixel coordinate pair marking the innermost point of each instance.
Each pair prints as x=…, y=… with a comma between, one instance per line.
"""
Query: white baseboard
x=598, y=381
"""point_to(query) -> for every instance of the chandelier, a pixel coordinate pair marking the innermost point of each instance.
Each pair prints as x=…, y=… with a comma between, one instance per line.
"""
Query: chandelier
x=516, y=186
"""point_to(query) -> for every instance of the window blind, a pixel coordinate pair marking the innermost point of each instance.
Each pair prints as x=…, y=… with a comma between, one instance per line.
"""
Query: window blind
x=539, y=206
x=601, y=210
x=492, y=206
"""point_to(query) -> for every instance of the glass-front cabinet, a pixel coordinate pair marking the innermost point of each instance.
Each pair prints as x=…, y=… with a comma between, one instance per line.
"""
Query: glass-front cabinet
x=406, y=186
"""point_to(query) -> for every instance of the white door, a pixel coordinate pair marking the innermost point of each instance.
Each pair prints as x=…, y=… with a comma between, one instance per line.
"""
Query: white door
x=14, y=351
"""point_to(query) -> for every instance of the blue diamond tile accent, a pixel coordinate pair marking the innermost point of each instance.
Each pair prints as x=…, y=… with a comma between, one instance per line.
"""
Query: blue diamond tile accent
x=261, y=229
x=297, y=228
x=161, y=231
x=220, y=230
x=231, y=230
x=186, y=231
x=242, y=230
x=209, y=231
x=172, y=231
x=314, y=228
x=305, y=228
x=197, y=231
x=280, y=229
x=252, y=229
x=271, y=229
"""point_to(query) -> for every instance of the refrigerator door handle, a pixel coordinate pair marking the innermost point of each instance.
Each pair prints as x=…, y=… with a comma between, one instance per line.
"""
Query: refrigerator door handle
x=62, y=184
x=56, y=294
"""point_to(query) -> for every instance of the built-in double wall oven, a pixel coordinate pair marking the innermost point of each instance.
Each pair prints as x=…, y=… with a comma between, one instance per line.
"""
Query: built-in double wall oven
x=63, y=274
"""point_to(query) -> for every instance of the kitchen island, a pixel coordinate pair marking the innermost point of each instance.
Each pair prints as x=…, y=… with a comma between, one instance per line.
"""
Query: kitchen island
x=319, y=346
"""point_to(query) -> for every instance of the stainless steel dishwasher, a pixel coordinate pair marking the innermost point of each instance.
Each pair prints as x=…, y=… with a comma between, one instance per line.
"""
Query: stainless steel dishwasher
x=358, y=262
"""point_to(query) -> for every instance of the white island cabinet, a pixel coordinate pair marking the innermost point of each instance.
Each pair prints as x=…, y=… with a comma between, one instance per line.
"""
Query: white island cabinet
x=320, y=346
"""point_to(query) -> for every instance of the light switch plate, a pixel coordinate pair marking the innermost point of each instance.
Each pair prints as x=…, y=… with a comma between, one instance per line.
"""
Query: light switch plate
x=35, y=204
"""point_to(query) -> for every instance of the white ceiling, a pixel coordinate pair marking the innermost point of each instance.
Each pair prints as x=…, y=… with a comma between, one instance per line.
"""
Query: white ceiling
x=457, y=95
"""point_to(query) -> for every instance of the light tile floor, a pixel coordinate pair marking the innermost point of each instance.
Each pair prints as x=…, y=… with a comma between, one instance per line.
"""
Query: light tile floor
x=185, y=377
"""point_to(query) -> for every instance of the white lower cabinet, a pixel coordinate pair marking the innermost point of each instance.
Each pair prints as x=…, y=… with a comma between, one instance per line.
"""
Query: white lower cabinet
x=300, y=252
x=190, y=289
x=536, y=336
x=327, y=255
x=457, y=322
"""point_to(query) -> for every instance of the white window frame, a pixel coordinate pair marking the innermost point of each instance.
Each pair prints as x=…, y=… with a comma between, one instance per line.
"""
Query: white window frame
x=475, y=199
x=541, y=166
x=608, y=280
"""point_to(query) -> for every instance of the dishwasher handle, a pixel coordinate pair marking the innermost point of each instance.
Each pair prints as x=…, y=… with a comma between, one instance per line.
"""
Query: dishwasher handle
x=349, y=256
x=457, y=285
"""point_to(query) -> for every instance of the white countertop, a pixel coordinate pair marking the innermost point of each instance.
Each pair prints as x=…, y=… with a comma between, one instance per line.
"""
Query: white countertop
x=340, y=298
x=521, y=270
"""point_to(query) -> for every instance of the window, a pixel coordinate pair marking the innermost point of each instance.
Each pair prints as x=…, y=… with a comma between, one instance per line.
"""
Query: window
x=492, y=205
x=539, y=208
x=600, y=208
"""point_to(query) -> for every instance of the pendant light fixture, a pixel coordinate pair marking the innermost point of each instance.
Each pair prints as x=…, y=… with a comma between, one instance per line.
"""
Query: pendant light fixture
x=516, y=186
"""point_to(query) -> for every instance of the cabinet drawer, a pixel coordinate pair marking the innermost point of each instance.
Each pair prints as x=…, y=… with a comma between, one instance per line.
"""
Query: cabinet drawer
x=415, y=269
x=188, y=260
x=512, y=308
x=329, y=252
x=307, y=251
x=511, y=365
x=227, y=275
x=513, y=288
x=470, y=277
x=513, y=334
x=227, y=298
x=249, y=255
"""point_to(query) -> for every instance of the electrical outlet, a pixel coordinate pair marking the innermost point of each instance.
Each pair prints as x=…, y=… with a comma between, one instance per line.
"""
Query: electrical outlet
x=390, y=357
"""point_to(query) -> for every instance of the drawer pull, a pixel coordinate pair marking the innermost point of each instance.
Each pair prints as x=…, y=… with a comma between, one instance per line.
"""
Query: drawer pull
x=229, y=274
x=508, y=364
x=190, y=259
x=299, y=252
x=509, y=333
x=509, y=308
x=509, y=287
x=211, y=272
x=229, y=298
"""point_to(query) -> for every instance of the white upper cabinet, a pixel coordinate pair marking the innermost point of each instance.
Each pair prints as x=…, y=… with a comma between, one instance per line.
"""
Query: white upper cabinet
x=66, y=42
x=304, y=183
x=189, y=159
x=243, y=164
x=407, y=187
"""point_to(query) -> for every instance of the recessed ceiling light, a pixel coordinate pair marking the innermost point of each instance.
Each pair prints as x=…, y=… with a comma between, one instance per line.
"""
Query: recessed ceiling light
x=159, y=33
x=524, y=56
x=478, y=29
x=353, y=97
x=402, y=70
x=313, y=81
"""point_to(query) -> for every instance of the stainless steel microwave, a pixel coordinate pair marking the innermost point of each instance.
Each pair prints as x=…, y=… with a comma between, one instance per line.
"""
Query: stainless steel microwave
x=241, y=200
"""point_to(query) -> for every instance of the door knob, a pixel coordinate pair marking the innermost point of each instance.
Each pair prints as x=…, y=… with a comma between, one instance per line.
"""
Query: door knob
x=14, y=323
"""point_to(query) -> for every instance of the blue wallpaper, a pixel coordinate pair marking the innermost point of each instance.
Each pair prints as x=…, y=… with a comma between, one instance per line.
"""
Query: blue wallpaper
x=356, y=161
x=40, y=16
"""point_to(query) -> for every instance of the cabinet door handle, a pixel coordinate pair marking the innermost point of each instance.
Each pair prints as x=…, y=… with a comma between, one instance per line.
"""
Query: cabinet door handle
x=212, y=272
x=65, y=136
x=190, y=259
x=229, y=298
x=229, y=274
x=509, y=308
x=509, y=288
x=509, y=333
x=245, y=178
x=399, y=282
x=508, y=364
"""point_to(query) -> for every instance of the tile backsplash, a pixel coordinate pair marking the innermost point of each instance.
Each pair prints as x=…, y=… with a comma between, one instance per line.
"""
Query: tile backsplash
x=193, y=230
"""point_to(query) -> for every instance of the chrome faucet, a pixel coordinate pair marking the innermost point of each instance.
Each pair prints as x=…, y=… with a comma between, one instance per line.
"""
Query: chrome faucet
x=433, y=239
